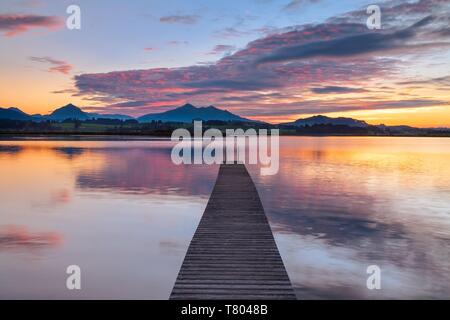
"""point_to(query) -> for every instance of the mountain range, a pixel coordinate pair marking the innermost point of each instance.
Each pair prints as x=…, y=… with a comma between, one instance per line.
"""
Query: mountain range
x=67, y=112
x=323, y=120
x=14, y=114
x=187, y=113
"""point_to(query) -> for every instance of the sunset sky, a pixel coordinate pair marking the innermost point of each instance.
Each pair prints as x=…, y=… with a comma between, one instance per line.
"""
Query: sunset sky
x=272, y=60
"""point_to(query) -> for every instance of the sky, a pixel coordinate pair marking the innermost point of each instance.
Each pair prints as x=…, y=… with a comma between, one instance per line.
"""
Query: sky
x=270, y=60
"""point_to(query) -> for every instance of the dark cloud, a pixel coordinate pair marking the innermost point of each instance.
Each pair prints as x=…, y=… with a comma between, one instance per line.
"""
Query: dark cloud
x=445, y=32
x=14, y=24
x=252, y=98
x=232, y=32
x=235, y=85
x=297, y=4
x=359, y=44
x=222, y=48
x=336, y=89
x=445, y=81
x=180, y=19
x=397, y=13
x=64, y=91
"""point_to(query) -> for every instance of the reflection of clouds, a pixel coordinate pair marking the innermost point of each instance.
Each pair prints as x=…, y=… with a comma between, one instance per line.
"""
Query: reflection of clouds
x=61, y=197
x=349, y=203
x=172, y=246
x=69, y=152
x=127, y=169
x=13, y=237
x=336, y=206
x=319, y=270
x=337, y=230
x=334, y=250
x=146, y=170
x=10, y=149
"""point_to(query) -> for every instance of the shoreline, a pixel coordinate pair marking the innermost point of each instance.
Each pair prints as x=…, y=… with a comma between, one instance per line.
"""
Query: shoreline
x=144, y=137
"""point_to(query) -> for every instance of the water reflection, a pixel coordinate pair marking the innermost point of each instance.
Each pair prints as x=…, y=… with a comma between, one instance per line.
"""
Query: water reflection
x=145, y=170
x=69, y=152
x=339, y=205
x=14, y=237
x=123, y=211
x=10, y=149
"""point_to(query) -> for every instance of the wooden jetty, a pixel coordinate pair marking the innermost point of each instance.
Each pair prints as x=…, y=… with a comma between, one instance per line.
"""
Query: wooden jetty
x=233, y=254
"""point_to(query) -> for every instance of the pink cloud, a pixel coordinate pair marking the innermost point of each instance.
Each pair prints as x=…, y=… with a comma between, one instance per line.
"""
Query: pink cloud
x=57, y=66
x=14, y=24
x=279, y=70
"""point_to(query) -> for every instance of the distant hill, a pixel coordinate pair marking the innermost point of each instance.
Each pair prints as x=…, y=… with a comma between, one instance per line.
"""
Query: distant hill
x=399, y=130
x=188, y=113
x=68, y=112
x=14, y=114
x=327, y=125
x=323, y=120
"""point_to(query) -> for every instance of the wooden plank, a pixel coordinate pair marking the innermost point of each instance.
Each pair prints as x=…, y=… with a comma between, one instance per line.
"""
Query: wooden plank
x=233, y=254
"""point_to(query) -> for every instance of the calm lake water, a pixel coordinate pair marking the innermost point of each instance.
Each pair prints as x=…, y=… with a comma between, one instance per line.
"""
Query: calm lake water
x=125, y=214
